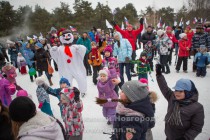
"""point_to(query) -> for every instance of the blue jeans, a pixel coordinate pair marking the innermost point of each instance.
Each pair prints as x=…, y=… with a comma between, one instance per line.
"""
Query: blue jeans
x=127, y=70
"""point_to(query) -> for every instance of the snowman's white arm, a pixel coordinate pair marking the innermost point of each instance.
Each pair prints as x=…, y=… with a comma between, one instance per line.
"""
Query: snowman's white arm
x=54, y=53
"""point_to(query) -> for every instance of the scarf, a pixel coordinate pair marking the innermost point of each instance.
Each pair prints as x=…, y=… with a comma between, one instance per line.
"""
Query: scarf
x=68, y=51
x=95, y=52
x=174, y=117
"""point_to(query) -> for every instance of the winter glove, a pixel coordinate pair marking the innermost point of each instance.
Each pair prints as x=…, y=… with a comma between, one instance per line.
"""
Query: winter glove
x=182, y=138
x=4, y=75
x=127, y=60
x=40, y=105
x=141, y=21
x=109, y=100
x=77, y=94
x=113, y=23
x=158, y=69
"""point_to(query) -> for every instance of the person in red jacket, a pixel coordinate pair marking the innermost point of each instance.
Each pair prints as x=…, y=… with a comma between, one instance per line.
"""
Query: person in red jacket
x=184, y=49
x=131, y=35
x=173, y=39
x=190, y=34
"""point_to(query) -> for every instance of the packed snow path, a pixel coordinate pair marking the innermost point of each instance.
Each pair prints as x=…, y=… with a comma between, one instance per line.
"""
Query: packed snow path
x=95, y=123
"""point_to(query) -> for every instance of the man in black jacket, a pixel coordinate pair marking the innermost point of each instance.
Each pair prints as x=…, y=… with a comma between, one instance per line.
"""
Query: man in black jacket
x=148, y=36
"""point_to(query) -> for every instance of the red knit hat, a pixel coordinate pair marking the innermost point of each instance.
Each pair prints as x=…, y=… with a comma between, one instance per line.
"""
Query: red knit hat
x=129, y=25
x=168, y=28
x=188, y=27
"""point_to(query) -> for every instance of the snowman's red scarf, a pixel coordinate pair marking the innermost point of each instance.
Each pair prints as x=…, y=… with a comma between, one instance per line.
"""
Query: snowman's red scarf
x=67, y=50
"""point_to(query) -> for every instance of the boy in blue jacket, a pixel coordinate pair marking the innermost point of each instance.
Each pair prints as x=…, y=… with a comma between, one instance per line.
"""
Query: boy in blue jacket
x=201, y=60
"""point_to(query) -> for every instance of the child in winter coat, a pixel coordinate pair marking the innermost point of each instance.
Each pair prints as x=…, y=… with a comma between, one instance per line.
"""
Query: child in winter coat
x=148, y=49
x=5, y=123
x=135, y=105
x=94, y=59
x=64, y=83
x=72, y=113
x=143, y=66
x=165, y=44
x=184, y=48
x=13, y=52
x=106, y=91
x=43, y=97
x=6, y=90
x=21, y=64
x=11, y=74
x=201, y=61
x=110, y=62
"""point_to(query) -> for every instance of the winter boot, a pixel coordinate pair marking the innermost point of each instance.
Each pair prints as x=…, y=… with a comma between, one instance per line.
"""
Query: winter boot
x=50, y=81
x=83, y=95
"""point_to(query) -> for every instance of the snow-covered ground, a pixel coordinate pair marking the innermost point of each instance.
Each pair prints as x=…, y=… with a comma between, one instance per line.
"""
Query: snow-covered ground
x=95, y=123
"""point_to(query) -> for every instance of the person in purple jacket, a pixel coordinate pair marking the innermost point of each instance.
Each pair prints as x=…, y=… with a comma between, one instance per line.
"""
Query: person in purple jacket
x=6, y=90
x=106, y=91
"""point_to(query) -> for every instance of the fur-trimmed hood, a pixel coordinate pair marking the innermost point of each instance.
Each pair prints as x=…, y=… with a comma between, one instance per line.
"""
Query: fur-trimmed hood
x=40, y=127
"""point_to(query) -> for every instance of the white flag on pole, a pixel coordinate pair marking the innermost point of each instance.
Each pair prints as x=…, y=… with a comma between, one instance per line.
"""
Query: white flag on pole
x=188, y=22
x=108, y=25
x=122, y=26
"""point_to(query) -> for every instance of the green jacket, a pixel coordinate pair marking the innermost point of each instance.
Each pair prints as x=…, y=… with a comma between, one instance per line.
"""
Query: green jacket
x=86, y=42
x=142, y=68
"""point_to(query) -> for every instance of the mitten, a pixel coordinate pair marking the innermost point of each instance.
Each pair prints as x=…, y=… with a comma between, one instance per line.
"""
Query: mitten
x=77, y=94
x=113, y=23
x=127, y=60
x=158, y=69
x=141, y=21
x=40, y=105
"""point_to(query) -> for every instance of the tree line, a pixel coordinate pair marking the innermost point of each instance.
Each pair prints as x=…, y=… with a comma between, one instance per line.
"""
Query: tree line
x=27, y=20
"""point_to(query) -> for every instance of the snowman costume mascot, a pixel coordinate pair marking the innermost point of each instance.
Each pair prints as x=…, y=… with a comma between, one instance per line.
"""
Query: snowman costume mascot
x=69, y=59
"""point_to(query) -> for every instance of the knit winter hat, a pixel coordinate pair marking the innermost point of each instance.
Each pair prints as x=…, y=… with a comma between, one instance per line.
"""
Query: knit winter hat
x=64, y=80
x=168, y=28
x=68, y=94
x=53, y=29
x=40, y=80
x=182, y=35
x=199, y=26
x=160, y=32
x=135, y=90
x=129, y=25
x=108, y=49
x=22, y=93
x=39, y=45
x=22, y=109
x=202, y=48
x=105, y=72
x=188, y=27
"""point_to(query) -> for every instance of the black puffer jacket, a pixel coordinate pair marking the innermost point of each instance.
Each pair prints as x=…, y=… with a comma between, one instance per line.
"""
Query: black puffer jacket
x=192, y=114
x=199, y=39
x=208, y=41
x=41, y=57
x=147, y=37
x=127, y=126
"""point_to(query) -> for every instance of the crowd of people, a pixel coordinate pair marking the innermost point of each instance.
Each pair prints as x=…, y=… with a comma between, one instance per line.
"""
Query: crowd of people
x=128, y=106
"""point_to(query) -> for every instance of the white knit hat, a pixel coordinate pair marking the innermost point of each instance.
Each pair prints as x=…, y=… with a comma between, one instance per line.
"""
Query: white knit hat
x=104, y=71
x=40, y=80
x=182, y=35
x=160, y=32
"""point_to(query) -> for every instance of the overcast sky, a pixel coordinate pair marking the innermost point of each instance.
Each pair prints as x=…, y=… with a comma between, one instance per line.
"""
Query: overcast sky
x=139, y=4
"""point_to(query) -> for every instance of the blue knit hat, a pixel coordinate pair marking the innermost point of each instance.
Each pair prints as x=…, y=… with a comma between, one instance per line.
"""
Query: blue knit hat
x=39, y=45
x=64, y=80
